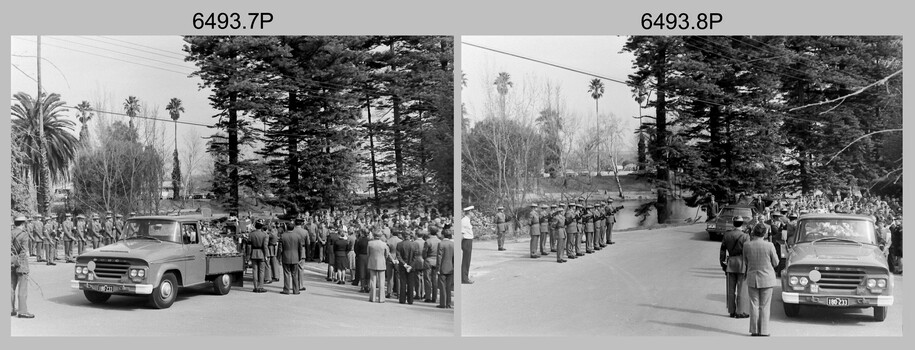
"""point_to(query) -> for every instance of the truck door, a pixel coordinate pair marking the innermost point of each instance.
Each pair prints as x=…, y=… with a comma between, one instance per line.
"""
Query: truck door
x=195, y=266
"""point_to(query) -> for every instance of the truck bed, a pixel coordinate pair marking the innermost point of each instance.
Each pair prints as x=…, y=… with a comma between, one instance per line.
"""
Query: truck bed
x=220, y=264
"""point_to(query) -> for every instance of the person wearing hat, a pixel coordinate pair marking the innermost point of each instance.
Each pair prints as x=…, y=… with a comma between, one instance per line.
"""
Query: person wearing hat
x=558, y=224
x=108, y=229
x=258, y=253
x=544, y=228
x=119, y=227
x=377, y=257
x=501, y=227
x=81, y=237
x=466, y=244
x=599, y=226
x=554, y=209
x=534, y=230
x=68, y=236
x=734, y=266
x=571, y=231
x=291, y=246
x=431, y=279
x=49, y=240
x=19, y=268
x=587, y=220
x=36, y=231
x=95, y=231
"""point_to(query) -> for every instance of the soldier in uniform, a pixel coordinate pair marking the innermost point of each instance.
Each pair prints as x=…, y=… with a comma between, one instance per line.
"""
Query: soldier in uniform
x=258, y=252
x=544, y=228
x=95, y=231
x=558, y=224
x=108, y=227
x=587, y=220
x=571, y=231
x=611, y=219
x=501, y=227
x=81, y=237
x=273, y=269
x=599, y=228
x=119, y=227
x=534, y=229
x=733, y=264
x=19, y=268
x=68, y=236
x=553, y=230
x=579, y=222
x=36, y=231
x=49, y=239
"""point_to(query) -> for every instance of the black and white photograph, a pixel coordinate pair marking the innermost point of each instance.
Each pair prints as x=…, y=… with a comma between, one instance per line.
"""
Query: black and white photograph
x=681, y=185
x=232, y=185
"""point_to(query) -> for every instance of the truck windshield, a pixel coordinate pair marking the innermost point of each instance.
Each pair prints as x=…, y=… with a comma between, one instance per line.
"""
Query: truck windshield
x=162, y=230
x=847, y=229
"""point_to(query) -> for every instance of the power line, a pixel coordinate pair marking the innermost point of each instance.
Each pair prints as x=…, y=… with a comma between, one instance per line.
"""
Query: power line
x=109, y=57
x=182, y=55
x=27, y=75
x=131, y=48
x=52, y=64
x=119, y=52
x=546, y=63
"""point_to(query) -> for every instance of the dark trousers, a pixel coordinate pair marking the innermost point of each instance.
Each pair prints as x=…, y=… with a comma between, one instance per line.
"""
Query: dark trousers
x=291, y=282
x=362, y=276
x=431, y=282
x=407, y=285
x=589, y=241
x=609, y=233
x=80, y=247
x=68, y=249
x=19, y=284
x=535, y=243
x=318, y=252
x=466, y=250
x=560, y=243
x=393, y=278
x=543, y=238
x=447, y=282
x=259, y=269
x=737, y=294
x=553, y=238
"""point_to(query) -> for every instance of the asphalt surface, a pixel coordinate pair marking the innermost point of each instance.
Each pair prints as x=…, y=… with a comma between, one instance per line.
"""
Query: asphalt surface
x=324, y=309
x=651, y=283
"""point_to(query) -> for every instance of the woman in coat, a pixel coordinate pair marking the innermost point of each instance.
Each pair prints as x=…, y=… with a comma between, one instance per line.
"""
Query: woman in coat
x=341, y=262
x=760, y=259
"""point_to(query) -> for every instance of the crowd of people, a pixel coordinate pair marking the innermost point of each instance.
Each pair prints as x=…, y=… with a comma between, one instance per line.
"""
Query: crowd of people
x=408, y=255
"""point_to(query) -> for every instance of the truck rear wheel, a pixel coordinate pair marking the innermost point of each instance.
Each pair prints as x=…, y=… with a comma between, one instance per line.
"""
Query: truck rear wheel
x=165, y=293
x=96, y=297
x=880, y=313
x=792, y=310
x=222, y=284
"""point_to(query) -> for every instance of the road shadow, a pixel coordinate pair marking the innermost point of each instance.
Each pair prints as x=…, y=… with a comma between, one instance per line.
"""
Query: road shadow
x=707, y=272
x=696, y=327
x=697, y=312
x=703, y=236
x=716, y=297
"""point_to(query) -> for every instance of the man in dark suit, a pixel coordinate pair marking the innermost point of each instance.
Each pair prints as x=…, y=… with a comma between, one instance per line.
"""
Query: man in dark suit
x=258, y=245
x=392, y=273
x=291, y=245
x=407, y=252
x=445, y=260
x=732, y=262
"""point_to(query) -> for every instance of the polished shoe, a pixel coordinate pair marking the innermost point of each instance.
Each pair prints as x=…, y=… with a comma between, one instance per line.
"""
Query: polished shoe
x=590, y=252
x=612, y=243
x=276, y=280
x=763, y=335
x=296, y=293
x=13, y=313
x=441, y=306
x=52, y=264
x=552, y=250
x=580, y=254
x=387, y=296
x=742, y=316
x=268, y=282
x=733, y=315
x=544, y=254
x=428, y=301
x=535, y=256
x=26, y=315
x=284, y=292
x=501, y=249
x=467, y=282
x=303, y=288
x=754, y=334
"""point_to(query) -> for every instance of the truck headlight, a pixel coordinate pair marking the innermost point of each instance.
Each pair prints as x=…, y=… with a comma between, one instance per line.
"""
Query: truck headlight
x=85, y=270
x=803, y=281
x=871, y=283
x=133, y=273
x=710, y=226
x=793, y=280
x=141, y=273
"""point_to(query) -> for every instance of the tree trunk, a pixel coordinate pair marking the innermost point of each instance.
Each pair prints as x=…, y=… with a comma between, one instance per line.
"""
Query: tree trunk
x=292, y=143
x=368, y=108
x=233, y=153
x=662, y=173
x=398, y=139
x=616, y=175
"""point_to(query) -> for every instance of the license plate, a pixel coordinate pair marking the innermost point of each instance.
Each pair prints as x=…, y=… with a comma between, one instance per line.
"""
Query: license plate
x=836, y=302
x=105, y=288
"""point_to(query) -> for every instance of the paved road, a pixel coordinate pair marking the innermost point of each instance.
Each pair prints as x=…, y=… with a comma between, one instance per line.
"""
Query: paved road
x=323, y=309
x=654, y=282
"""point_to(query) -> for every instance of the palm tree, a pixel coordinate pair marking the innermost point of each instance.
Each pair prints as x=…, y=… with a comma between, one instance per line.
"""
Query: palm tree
x=503, y=82
x=596, y=89
x=84, y=117
x=174, y=109
x=131, y=107
x=46, y=162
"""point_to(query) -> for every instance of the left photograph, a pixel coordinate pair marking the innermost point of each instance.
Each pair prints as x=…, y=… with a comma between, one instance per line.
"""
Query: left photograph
x=196, y=185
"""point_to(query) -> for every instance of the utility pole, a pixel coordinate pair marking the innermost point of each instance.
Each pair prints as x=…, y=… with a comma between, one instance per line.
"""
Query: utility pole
x=43, y=187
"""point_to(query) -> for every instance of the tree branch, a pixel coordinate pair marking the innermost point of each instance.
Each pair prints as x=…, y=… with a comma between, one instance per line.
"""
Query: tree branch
x=878, y=82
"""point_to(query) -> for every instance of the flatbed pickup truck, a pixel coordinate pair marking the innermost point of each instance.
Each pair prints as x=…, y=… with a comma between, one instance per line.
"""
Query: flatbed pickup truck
x=157, y=256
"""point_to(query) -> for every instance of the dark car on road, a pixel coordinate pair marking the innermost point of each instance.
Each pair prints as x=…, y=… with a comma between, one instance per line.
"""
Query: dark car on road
x=836, y=261
x=724, y=221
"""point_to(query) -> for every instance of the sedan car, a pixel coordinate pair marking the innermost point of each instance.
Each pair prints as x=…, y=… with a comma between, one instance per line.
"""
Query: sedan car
x=724, y=221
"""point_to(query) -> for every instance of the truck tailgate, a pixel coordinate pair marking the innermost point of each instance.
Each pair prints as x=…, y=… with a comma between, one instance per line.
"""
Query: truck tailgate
x=217, y=264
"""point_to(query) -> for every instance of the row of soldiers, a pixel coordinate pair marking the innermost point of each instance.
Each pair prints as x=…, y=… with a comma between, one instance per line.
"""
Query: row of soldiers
x=46, y=234
x=566, y=226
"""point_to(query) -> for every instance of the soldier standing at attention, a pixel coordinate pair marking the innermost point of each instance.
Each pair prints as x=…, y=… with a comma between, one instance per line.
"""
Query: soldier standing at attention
x=68, y=236
x=258, y=246
x=109, y=229
x=554, y=209
x=49, y=240
x=733, y=264
x=307, y=241
x=588, y=220
x=501, y=227
x=559, y=230
x=544, y=228
x=598, y=226
x=35, y=233
x=118, y=227
x=95, y=231
x=534, y=229
x=19, y=268
x=80, y=234
x=571, y=231
x=579, y=216
x=611, y=219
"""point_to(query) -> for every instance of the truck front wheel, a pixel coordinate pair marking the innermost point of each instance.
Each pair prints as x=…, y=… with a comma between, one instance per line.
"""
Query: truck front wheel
x=222, y=284
x=166, y=292
x=96, y=297
x=880, y=313
x=792, y=310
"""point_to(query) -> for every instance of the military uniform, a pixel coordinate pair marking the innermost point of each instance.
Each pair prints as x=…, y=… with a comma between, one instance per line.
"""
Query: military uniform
x=734, y=266
x=501, y=227
x=558, y=224
x=68, y=237
x=534, y=229
x=571, y=232
x=95, y=231
x=599, y=228
x=118, y=227
x=36, y=231
x=81, y=237
x=108, y=233
x=610, y=213
x=49, y=240
x=19, y=268
x=587, y=220
x=258, y=245
x=544, y=228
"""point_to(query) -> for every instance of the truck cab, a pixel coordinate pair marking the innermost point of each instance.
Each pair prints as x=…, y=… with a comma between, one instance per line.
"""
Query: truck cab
x=156, y=256
x=835, y=261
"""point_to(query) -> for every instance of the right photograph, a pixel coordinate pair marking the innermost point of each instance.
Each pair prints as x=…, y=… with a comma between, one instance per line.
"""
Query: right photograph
x=681, y=185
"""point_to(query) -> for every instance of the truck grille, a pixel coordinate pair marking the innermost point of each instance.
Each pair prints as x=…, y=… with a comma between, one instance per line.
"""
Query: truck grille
x=111, y=269
x=841, y=280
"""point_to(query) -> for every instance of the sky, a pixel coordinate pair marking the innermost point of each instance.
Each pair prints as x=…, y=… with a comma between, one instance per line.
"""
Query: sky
x=593, y=54
x=114, y=67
